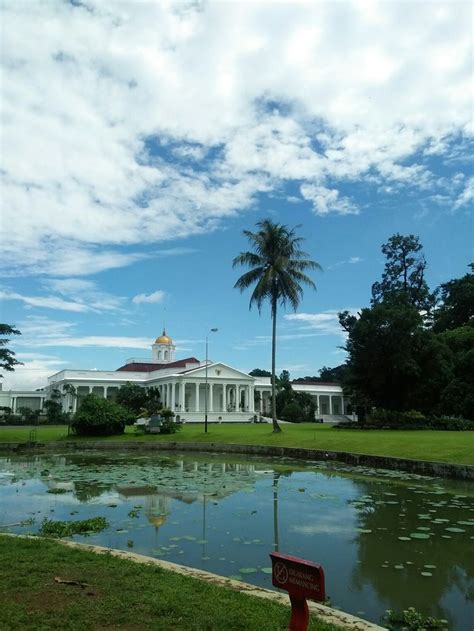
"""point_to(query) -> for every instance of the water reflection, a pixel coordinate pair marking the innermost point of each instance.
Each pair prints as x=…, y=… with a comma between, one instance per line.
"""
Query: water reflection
x=386, y=540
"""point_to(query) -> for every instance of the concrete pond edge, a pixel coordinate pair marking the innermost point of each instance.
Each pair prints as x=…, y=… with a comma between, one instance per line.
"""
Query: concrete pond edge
x=326, y=614
x=422, y=467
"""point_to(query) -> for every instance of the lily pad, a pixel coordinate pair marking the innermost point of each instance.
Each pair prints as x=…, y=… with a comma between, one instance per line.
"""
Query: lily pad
x=266, y=570
x=248, y=570
x=404, y=538
x=426, y=574
x=419, y=535
x=454, y=529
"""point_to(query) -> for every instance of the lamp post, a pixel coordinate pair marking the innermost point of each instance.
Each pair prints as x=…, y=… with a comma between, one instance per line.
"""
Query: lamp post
x=205, y=394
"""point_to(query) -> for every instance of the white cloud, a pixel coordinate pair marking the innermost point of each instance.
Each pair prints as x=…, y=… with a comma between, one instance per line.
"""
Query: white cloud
x=236, y=100
x=327, y=200
x=353, y=260
x=326, y=322
x=466, y=198
x=47, y=302
x=34, y=372
x=156, y=296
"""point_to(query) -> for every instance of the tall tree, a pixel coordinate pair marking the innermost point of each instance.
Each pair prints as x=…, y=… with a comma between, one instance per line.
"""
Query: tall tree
x=457, y=303
x=403, y=278
x=278, y=269
x=7, y=357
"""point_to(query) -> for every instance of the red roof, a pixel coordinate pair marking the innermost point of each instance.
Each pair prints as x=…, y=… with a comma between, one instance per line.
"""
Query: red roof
x=146, y=367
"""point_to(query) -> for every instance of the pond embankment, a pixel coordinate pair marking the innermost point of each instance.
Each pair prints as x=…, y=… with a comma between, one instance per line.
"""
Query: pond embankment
x=422, y=467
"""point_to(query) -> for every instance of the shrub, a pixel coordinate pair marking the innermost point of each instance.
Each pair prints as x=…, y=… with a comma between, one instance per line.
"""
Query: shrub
x=169, y=425
x=51, y=528
x=54, y=412
x=393, y=419
x=99, y=417
x=292, y=413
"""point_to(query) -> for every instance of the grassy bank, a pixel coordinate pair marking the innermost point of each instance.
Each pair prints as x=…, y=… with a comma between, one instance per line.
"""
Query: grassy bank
x=119, y=594
x=441, y=446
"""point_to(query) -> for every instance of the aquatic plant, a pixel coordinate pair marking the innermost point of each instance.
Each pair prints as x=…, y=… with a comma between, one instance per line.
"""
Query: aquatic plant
x=51, y=528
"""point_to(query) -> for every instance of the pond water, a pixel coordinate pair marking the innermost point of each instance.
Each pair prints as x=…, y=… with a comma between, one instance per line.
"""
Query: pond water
x=387, y=540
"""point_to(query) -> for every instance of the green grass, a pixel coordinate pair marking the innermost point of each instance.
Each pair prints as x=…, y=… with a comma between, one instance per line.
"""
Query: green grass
x=441, y=446
x=120, y=594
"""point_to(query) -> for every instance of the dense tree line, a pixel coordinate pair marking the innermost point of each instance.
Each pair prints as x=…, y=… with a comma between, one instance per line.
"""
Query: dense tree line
x=412, y=349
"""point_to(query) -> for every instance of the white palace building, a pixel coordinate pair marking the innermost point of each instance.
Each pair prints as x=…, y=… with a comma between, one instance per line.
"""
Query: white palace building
x=234, y=396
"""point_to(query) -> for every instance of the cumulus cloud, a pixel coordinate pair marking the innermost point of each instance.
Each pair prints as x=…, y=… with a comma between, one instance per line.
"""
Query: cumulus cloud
x=466, y=197
x=326, y=322
x=327, y=200
x=156, y=296
x=130, y=123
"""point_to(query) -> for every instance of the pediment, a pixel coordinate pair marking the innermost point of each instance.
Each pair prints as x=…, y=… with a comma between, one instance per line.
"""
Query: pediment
x=218, y=371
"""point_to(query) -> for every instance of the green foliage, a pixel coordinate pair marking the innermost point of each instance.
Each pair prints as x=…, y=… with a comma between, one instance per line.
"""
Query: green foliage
x=277, y=273
x=258, y=372
x=54, y=412
x=403, y=277
x=99, y=417
x=457, y=397
x=292, y=413
x=378, y=418
x=457, y=308
x=31, y=416
x=394, y=361
x=169, y=425
x=51, y=528
x=133, y=397
x=7, y=357
x=412, y=620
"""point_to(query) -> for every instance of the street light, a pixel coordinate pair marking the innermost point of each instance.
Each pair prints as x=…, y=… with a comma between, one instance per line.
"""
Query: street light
x=205, y=394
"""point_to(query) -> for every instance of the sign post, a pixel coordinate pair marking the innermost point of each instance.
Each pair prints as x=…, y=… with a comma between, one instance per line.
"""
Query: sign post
x=301, y=579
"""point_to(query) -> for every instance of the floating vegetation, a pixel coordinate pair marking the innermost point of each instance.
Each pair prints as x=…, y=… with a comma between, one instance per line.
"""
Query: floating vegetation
x=50, y=528
x=454, y=529
x=248, y=570
x=419, y=535
x=59, y=491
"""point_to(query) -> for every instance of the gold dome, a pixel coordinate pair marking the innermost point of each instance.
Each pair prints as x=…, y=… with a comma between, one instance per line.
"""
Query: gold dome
x=163, y=339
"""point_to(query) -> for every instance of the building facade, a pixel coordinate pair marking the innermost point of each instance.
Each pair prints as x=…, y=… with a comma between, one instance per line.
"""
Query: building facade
x=233, y=395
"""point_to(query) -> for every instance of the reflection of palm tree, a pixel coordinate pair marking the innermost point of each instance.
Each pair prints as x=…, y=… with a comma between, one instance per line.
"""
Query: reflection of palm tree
x=276, y=538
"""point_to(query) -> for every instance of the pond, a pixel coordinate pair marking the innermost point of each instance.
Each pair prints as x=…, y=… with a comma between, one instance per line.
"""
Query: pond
x=386, y=539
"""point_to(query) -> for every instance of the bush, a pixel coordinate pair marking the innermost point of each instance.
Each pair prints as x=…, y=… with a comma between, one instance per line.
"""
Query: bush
x=379, y=418
x=169, y=425
x=99, y=417
x=54, y=412
x=292, y=413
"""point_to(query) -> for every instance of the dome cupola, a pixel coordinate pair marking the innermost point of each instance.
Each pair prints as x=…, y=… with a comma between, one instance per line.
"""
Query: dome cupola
x=163, y=349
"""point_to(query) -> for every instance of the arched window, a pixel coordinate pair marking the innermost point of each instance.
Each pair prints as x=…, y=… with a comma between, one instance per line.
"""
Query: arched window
x=159, y=354
x=166, y=355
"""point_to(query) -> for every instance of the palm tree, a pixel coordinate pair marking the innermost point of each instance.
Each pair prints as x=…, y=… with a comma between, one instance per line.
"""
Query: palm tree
x=278, y=267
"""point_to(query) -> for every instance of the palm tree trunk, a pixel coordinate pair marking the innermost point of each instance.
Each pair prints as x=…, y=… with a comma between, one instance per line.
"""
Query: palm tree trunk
x=276, y=427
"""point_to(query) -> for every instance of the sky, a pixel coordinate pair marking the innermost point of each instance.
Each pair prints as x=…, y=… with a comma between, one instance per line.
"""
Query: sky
x=139, y=139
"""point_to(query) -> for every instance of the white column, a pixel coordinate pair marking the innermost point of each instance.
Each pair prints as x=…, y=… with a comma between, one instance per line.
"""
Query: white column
x=90, y=389
x=251, y=399
x=210, y=402
x=197, y=396
x=224, y=397
x=261, y=401
x=105, y=391
x=330, y=404
x=317, y=403
x=173, y=398
x=182, y=392
x=342, y=405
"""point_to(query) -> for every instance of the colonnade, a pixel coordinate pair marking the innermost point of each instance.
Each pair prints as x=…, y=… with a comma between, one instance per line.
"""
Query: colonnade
x=190, y=396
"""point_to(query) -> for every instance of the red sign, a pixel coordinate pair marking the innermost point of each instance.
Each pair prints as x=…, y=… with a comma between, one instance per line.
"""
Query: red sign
x=301, y=579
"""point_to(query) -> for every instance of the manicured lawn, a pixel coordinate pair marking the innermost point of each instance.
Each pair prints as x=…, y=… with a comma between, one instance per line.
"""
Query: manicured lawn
x=120, y=594
x=454, y=447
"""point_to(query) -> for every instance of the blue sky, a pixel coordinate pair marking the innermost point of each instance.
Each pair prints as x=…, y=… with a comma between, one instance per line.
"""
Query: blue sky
x=139, y=140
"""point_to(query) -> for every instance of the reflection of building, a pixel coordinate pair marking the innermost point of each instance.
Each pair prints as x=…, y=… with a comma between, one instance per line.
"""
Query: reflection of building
x=233, y=395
